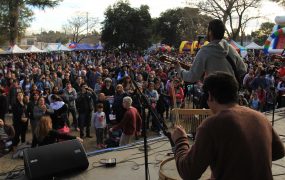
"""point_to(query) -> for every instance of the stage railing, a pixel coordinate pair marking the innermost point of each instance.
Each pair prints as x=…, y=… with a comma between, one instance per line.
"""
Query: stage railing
x=190, y=119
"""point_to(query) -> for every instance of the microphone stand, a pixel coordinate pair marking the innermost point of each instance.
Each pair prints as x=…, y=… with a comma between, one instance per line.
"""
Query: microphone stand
x=158, y=121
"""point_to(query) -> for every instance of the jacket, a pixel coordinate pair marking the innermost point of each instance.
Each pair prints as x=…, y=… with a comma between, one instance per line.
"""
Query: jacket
x=212, y=58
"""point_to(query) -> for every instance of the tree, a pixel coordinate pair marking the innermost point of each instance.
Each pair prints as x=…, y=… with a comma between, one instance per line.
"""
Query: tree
x=78, y=25
x=233, y=13
x=25, y=17
x=175, y=25
x=52, y=37
x=17, y=14
x=262, y=33
x=125, y=27
x=282, y=2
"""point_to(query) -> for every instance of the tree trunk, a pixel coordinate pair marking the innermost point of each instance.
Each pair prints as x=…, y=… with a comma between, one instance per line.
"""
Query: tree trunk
x=14, y=10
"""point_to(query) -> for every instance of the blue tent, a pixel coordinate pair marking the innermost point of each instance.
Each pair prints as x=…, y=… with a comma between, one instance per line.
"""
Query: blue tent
x=80, y=47
x=98, y=47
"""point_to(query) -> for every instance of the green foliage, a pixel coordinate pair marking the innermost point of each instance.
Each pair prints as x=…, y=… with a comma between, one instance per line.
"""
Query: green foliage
x=52, y=37
x=25, y=17
x=16, y=15
x=125, y=27
x=262, y=33
x=42, y=4
x=176, y=25
x=282, y=2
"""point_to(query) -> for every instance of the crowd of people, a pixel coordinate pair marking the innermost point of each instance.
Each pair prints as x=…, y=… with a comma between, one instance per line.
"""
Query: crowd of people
x=80, y=89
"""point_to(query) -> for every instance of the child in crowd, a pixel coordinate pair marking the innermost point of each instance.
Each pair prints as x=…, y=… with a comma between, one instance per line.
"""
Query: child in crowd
x=254, y=102
x=99, y=121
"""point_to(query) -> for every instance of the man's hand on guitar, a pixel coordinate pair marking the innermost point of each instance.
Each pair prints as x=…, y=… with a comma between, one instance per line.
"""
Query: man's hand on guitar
x=177, y=133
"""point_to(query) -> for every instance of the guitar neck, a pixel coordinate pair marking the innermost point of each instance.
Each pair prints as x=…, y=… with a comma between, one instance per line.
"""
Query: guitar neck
x=171, y=61
x=184, y=65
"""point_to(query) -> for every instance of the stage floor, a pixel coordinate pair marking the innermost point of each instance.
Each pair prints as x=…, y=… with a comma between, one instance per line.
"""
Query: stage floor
x=130, y=161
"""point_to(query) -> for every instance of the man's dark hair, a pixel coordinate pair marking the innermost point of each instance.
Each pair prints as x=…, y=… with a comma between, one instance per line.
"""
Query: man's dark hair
x=222, y=86
x=217, y=28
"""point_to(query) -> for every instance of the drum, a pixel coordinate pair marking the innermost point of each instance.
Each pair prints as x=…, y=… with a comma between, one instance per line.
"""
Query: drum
x=168, y=170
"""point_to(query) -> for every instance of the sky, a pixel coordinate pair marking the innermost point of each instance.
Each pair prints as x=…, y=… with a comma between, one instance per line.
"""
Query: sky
x=53, y=19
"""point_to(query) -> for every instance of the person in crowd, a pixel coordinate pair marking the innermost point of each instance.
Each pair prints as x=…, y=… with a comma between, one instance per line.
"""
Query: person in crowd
x=178, y=92
x=242, y=101
x=30, y=109
x=46, y=94
x=213, y=56
x=26, y=85
x=14, y=89
x=106, y=106
x=7, y=134
x=117, y=108
x=34, y=89
x=92, y=76
x=57, y=81
x=40, y=83
x=60, y=114
x=107, y=88
x=127, y=85
x=130, y=124
x=260, y=82
x=123, y=72
x=161, y=74
x=153, y=97
x=139, y=80
x=66, y=79
x=281, y=93
x=261, y=95
x=45, y=134
x=99, y=121
x=229, y=141
x=271, y=97
x=41, y=109
x=69, y=96
x=4, y=106
x=76, y=85
x=84, y=105
x=163, y=100
x=20, y=119
x=248, y=78
x=98, y=85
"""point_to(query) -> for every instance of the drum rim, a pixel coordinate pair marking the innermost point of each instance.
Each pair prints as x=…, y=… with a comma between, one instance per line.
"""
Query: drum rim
x=162, y=176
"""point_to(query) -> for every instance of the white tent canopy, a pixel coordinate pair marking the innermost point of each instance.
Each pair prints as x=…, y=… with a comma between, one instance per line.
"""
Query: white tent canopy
x=15, y=50
x=56, y=47
x=34, y=49
x=253, y=45
x=2, y=51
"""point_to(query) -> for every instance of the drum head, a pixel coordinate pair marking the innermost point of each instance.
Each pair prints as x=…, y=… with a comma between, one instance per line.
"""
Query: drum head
x=168, y=170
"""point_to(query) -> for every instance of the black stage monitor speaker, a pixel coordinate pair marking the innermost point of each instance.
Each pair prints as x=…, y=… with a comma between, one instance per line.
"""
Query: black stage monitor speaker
x=55, y=160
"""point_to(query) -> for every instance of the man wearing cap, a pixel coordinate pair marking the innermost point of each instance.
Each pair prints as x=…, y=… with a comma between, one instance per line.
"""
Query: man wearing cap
x=108, y=89
x=84, y=105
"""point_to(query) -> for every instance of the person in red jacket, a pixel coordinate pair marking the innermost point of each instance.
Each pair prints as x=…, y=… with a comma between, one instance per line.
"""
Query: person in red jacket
x=178, y=92
x=236, y=142
x=130, y=124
